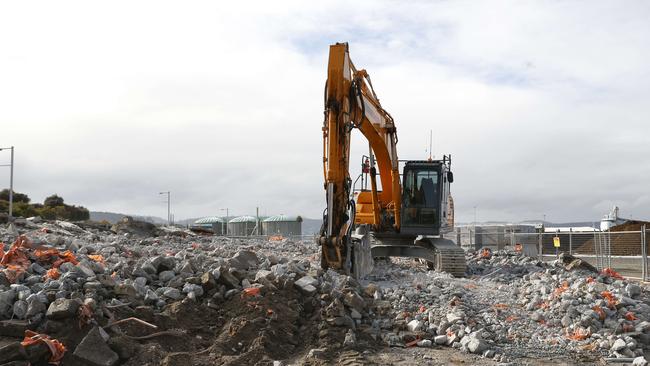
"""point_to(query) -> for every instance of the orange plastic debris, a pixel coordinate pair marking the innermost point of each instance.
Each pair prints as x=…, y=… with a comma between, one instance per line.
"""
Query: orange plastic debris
x=600, y=312
x=558, y=291
x=269, y=312
x=195, y=246
x=251, y=291
x=630, y=316
x=579, y=334
x=544, y=305
x=53, y=273
x=500, y=306
x=628, y=328
x=15, y=260
x=612, y=273
x=518, y=248
x=450, y=333
x=512, y=318
x=422, y=309
x=276, y=238
x=57, y=349
x=97, y=258
x=485, y=253
x=85, y=315
x=590, y=279
x=612, y=301
x=470, y=286
x=413, y=343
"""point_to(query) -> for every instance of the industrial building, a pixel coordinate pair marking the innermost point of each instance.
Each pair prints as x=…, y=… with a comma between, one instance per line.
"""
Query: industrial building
x=213, y=224
x=282, y=225
x=243, y=226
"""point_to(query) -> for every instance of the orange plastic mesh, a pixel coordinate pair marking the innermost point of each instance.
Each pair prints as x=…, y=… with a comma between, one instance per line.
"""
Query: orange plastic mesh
x=630, y=316
x=53, y=273
x=578, y=334
x=600, y=311
x=612, y=301
x=612, y=273
x=558, y=291
x=57, y=349
x=97, y=258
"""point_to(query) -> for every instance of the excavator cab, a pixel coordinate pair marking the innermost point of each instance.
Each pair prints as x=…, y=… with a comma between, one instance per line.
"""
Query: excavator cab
x=424, y=197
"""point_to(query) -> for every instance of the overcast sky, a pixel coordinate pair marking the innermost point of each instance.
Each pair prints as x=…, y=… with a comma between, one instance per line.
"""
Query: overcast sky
x=544, y=105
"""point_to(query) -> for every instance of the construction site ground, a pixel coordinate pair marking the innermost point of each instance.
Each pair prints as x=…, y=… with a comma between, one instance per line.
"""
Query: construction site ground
x=130, y=296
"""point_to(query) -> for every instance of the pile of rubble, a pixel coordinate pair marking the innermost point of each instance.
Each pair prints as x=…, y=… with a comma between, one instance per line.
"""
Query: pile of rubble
x=512, y=306
x=92, y=297
x=86, y=295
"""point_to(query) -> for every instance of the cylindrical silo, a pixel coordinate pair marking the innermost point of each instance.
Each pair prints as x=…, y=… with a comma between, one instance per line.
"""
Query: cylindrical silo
x=282, y=225
x=242, y=226
x=212, y=223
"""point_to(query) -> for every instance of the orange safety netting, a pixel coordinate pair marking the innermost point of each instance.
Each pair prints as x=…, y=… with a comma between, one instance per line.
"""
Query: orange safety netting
x=630, y=316
x=53, y=273
x=600, y=312
x=57, y=349
x=558, y=291
x=612, y=273
x=485, y=253
x=97, y=258
x=15, y=260
x=612, y=301
x=251, y=291
x=579, y=334
x=66, y=256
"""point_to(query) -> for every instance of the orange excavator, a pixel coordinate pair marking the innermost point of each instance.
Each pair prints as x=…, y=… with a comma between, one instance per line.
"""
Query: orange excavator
x=408, y=215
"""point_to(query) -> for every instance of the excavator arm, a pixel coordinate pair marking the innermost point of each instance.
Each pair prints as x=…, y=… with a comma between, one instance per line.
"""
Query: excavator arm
x=351, y=102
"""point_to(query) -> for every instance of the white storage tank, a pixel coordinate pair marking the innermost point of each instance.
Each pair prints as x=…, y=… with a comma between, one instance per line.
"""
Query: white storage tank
x=242, y=226
x=282, y=225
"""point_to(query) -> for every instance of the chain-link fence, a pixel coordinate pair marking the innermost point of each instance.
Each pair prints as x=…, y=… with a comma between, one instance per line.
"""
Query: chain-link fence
x=625, y=251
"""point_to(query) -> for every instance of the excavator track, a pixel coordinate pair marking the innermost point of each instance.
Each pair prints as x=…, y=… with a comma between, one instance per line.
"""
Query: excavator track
x=440, y=254
x=450, y=258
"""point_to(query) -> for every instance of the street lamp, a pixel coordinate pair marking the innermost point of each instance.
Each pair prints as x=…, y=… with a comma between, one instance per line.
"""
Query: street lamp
x=169, y=217
x=225, y=209
x=11, y=181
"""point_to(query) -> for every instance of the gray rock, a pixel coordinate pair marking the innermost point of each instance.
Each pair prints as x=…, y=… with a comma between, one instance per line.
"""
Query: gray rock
x=640, y=361
x=354, y=301
x=63, y=308
x=619, y=345
x=166, y=276
x=633, y=290
x=415, y=325
x=476, y=345
x=454, y=317
x=440, y=339
x=7, y=302
x=20, y=309
x=227, y=278
x=424, y=343
x=172, y=293
x=93, y=350
x=244, y=260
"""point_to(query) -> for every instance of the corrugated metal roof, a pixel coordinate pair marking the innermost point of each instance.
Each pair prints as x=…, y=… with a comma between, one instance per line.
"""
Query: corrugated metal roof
x=209, y=220
x=243, y=219
x=284, y=218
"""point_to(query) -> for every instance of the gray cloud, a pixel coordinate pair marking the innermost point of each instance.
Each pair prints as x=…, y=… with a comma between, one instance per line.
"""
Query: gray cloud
x=543, y=105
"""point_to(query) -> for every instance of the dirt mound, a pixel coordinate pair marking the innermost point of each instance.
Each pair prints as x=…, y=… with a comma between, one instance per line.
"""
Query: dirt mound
x=631, y=225
x=247, y=330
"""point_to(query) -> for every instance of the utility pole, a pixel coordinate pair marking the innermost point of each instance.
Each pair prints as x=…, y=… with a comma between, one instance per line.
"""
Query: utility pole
x=11, y=181
x=169, y=216
x=225, y=209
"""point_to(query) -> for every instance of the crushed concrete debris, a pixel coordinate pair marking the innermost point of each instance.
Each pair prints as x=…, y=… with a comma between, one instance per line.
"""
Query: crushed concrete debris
x=206, y=300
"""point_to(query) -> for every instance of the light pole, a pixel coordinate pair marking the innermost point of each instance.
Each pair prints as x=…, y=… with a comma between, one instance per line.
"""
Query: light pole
x=225, y=209
x=169, y=217
x=11, y=181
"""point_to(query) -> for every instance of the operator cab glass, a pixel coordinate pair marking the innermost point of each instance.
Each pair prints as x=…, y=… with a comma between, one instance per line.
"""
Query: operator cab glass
x=421, y=198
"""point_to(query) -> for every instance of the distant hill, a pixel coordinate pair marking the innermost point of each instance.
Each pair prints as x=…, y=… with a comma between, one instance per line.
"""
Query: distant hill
x=113, y=217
